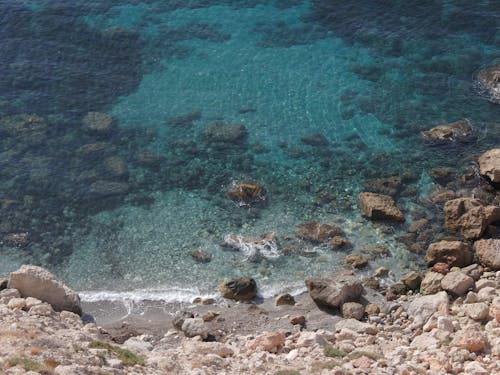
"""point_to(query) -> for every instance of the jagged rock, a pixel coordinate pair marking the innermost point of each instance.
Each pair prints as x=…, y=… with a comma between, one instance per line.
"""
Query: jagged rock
x=284, y=299
x=387, y=185
x=356, y=260
x=356, y=326
x=37, y=282
x=456, y=131
x=412, y=280
x=423, y=307
x=246, y=193
x=353, y=310
x=194, y=327
x=453, y=253
x=489, y=80
x=99, y=123
x=469, y=216
x=457, y=283
x=239, y=289
x=379, y=207
x=441, y=267
x=489, y=165
x=316, y=232
x=488, y=253
x=315, y=140
x=308, y=339
x=431, y=283
x=332, y=293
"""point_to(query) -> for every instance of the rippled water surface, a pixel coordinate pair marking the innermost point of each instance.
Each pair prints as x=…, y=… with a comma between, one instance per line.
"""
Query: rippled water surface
x=327, y=95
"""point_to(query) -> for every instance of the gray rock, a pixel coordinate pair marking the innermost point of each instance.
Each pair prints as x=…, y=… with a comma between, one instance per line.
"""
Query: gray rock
x=422, y=308
x=37, y=282
x=356, y=326
x=431, y=284
x=137, y=345
x=477, y=311
x=332, y=293
x=353, y=310
x=179, y=318
x=457, y=283
x=488, y=253
x=194, y=327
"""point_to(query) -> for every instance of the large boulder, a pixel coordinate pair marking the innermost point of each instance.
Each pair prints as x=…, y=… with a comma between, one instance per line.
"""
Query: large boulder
x=239, y=289
x=37, y=282
x=421, y=308
x=316, y=232
x=489, y=79
x=332, y=293
x=457, y=283
x=489, y=165
x=488, y=253
x=469, y=216
x=379, y=207
x=456, y=131
x=453, y=253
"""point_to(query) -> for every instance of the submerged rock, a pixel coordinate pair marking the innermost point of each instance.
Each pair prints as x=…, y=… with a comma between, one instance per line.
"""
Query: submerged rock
x=98, y=123
x=316, y=232
x=37, y=282
x=104, y=188
x=456, y=131
x=387, y=185
x=469, y=216
x=225, y=134
x=379, y=207
x=246, y=193
x=332, y=293
x=356, y=260
x=315, y=140
x=489, y=79
x=29, y=129
x=253, y=248
x=453, y=253
x=201, y=256
x=489, y=165
x=239, y=289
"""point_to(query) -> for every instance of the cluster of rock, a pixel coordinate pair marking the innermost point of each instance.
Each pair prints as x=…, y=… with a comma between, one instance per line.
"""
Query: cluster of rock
x=435, y=333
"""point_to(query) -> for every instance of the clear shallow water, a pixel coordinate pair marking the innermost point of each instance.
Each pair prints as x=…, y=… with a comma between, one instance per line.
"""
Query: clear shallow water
x=369, y=77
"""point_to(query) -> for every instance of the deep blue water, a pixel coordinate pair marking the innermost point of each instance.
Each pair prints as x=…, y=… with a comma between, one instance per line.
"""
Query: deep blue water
x=367, y=75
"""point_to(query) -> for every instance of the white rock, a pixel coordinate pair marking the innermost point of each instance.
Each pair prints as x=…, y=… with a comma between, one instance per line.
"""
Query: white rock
x=422, y=308
x=31, y=301
x=457, y=283
x=487, y=294
x=114, y=363
x=474, y=368
x=294, y=353
x=482, y=283
x=445, y=323
x=194, y=327
x=16, y=303
x=424, y=341
x=308, y=339
x=136, y=345
x=471, y=297
x=477, y=311
x=356, y=326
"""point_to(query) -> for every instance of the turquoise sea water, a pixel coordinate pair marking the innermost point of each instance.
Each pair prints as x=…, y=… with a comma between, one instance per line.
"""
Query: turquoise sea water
x=367, y=76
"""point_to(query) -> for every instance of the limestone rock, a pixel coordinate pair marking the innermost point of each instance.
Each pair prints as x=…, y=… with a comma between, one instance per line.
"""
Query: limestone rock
x=488, y=253
x=478, y=311
x=489, y=80
x=457, y=283
x=422, y=308
x=332, y=293
x=137, y=345
x=356, y=326
x=316, y=232
x=308, y=339
x=453, y=253
x=239, y=289
x=37, y=282
x=456, y=131
x=431, y=283
x=99, y=123
x=284, y=299
x=412, y=280
x=194, y=327
x=379, y=207
x=353, y=310
x=271, y=342
x=469, y=216
x=489, y=165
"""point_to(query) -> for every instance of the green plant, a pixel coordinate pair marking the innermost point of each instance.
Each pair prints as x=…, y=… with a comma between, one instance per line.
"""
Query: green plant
x=330, y=351
x=27, y=364
x=126, y=356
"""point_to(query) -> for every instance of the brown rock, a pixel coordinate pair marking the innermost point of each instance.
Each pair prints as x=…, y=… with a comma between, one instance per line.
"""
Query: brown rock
x=453, y=253
x=469, y=216
x=489, y=79
x=440, y=267
x=298, y=319
x=372, y=309
x=332, y=293
x=317, y=232
x=239, y=289
x=356, y=260
x=379, y=207
x=457, y=283
x=456, y=131
x=488, y=253
x=339, y=243
x=98, y=123
x=246, y=193
x=353, y=310
x=489, y=165
x=431, y=284
x=21, y=239
x=271, y=342
x=395, y=290
x=418, y=225
x=201, y=256
x=412, y=280
x=442, y=175
x=284, y=299
x=388, y=185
